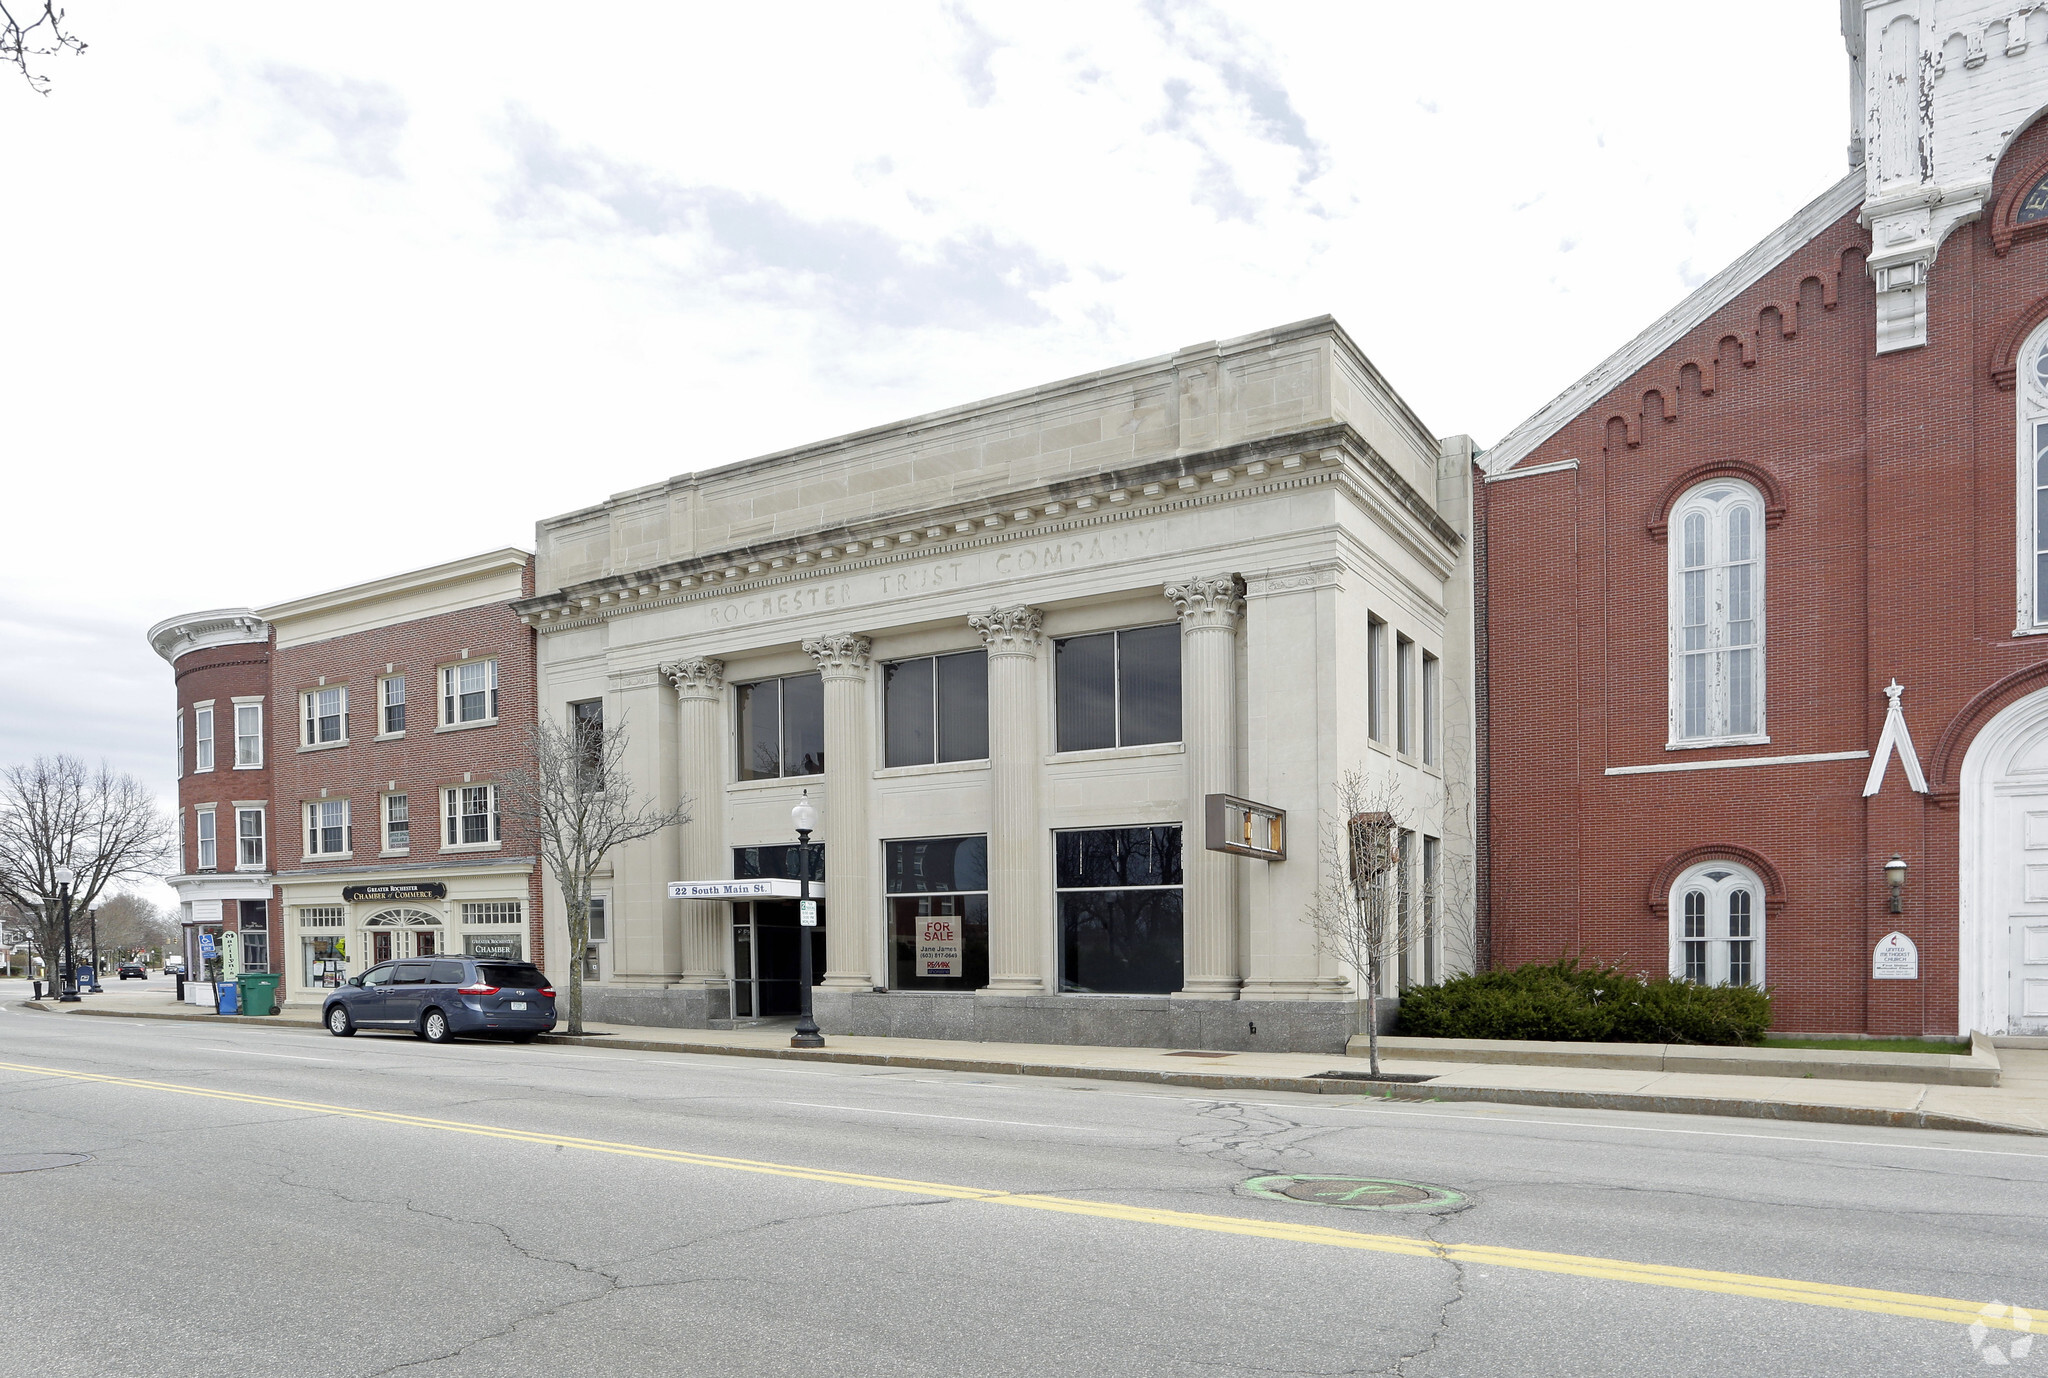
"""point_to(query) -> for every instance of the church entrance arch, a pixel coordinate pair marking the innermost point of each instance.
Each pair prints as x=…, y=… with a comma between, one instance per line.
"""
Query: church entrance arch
x=2003, y=971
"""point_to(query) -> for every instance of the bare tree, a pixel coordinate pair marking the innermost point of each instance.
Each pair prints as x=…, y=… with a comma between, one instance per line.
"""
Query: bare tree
x=579, y=804
x=43, y=35
x=1356, y=912
x=57, y=811
x=130, y=924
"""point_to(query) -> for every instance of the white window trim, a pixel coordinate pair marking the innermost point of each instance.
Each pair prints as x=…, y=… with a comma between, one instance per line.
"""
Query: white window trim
x=306, y=706
x=2030, y=395
x=441, y=821
x=382, y=680
x=1429, y=704
x=309, y=823
x=200, y=840
x=254, y=701
x=1740, y=877
x=1674, y=617
x=206, y=738
x=262, y=811
x=180, y=769
x=181, y=843
x=384, y=847
x=442, y=683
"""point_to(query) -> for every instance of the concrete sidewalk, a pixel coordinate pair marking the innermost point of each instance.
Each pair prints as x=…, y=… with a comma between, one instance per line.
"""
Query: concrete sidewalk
x=2018, y=1106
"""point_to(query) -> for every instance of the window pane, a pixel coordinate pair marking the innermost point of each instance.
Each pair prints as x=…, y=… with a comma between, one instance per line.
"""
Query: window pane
x=1738, y=914
x=1404, y=706
x=907, y=725
x=1738, y=533
x=939, y=942
x=1696, y=696
x=1375, y=676
x=775, y=862
x=1742, y=691
x=1125, y=942
x=1695, y=540
x=1117, y=857
x=1741, y=623
x=1084, y=685
x=963, y=706
x=760, y=730
x=1696, y=963
x=1695, y=914
x=803, y=725
x=1148, y=685
x=599, y=912
x=935, y=864
x=1431, y=672
x=1741, y=969
x=1694, y=615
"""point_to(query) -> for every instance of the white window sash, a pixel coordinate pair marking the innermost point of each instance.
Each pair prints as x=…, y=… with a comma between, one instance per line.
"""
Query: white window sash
x=202, y=740
x=1705, y=673
x=209, y=844
x=249, y=735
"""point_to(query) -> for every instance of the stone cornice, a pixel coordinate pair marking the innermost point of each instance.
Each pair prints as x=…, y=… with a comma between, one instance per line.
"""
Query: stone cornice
x=1230, y=473
x=201, y=631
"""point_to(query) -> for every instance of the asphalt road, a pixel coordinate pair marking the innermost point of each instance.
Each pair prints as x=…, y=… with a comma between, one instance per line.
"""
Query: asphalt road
x=281, y=1201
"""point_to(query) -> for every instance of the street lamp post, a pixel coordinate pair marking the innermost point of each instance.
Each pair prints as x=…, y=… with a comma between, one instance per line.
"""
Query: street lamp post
x=96, y=988
x=70, y=996
x=805, y=819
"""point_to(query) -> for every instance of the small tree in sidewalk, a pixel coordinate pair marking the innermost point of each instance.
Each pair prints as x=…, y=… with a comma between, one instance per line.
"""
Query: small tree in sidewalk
x=578, y=803
x=1355, y=912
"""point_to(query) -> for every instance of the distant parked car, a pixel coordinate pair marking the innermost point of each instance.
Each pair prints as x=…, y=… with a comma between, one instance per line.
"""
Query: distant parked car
x=174, y=966
x=439, y=998
x=135, y=969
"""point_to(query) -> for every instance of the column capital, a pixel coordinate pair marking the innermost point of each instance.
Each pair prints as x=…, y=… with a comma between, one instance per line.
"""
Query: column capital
x=840, y=654
x=698, y=677
x=1012, y=631
x=1205, y=603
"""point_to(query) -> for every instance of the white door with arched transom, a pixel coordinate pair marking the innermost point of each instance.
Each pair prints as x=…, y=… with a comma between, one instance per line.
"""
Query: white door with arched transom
x=394, y=933
x=2003, y=977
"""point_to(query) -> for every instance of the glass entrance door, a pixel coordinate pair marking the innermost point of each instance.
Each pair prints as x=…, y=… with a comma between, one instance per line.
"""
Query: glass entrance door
x=766, y=957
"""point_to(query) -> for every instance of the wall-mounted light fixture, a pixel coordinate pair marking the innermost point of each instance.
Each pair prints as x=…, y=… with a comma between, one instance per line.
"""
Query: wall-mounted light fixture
x=1895, y=876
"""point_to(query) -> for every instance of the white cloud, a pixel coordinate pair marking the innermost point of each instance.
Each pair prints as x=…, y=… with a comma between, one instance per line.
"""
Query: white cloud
x=315, y=302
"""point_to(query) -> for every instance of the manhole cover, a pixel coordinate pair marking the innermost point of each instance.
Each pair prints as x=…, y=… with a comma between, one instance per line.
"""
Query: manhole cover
x=1358, y=1193
x=36, y=1162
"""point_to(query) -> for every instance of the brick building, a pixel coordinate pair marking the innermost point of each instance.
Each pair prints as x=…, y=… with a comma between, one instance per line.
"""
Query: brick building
x=1763, y=591
x=384, y=715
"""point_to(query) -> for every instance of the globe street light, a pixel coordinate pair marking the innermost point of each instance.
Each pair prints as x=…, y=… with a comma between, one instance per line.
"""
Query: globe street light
x=804, y=818
x=65, y=877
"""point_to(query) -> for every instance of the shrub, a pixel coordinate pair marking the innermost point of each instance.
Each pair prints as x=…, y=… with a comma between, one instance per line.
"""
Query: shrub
x=1563, y=1000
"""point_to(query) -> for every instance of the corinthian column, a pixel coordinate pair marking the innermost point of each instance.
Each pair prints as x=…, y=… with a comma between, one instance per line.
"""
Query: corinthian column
x=700, y=752
x=1019, y=893
x=851, y=921
x=1209, y=613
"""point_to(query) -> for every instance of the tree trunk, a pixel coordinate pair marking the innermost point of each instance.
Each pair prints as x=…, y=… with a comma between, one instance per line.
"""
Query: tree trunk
x=579, y=938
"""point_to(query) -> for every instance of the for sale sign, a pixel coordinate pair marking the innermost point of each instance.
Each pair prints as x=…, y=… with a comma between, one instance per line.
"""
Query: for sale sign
x=938, y=945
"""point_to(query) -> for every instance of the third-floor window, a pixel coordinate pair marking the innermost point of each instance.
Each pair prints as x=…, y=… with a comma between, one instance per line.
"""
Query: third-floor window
x=326, y=715
x=782, y=727
x=1118, y=688
x=935, y=709
x=469, y=693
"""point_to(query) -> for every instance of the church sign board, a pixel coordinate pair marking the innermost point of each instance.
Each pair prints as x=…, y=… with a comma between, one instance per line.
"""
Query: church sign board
x=1896, y=959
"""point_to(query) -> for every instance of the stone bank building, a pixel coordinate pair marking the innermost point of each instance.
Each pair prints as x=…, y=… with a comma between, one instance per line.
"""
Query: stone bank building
x=1007, y=650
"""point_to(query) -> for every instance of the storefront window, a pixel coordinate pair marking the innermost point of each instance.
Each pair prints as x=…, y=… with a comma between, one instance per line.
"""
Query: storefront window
x=1119, y=898
x=255, y=926
x=504, y=945
x=938, y=912
x=326, y=961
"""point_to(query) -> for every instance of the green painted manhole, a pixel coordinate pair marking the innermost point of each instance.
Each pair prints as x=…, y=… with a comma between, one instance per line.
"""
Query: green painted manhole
x=1358, y=1193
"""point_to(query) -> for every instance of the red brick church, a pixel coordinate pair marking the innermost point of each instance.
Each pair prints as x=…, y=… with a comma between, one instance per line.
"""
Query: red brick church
x=1765, y=626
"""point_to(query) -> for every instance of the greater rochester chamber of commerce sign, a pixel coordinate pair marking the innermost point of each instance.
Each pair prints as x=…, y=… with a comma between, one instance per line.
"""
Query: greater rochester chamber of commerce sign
x=377, y=894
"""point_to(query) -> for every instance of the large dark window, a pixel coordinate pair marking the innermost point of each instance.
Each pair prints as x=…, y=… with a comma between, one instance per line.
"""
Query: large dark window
x=936, y=709
x=586, y=726
x=1118, y=688
x=782, y=727
x=938, y=912
x=1119, y=903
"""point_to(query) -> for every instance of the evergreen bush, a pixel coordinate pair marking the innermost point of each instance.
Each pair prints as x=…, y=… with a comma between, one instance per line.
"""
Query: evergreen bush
x=1565, y=1001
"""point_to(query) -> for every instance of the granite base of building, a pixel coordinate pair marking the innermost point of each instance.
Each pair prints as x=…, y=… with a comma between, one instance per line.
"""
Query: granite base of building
x=1117, y=1021
x=653, y=1007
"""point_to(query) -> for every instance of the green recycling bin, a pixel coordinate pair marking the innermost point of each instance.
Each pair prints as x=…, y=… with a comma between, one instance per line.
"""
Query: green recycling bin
x=258, y=993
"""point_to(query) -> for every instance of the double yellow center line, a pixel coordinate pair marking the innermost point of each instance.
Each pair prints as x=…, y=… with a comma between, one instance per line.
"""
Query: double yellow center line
x=1993, y=1315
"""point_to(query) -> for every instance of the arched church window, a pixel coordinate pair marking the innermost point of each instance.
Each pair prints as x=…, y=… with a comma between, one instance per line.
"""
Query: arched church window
x=2033, y=468
x=1717, y=935
x=1717, y=615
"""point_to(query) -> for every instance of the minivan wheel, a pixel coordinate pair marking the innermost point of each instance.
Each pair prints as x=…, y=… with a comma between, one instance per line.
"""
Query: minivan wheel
x=338, y=1022
x=434, y=1028
x=524, y=1037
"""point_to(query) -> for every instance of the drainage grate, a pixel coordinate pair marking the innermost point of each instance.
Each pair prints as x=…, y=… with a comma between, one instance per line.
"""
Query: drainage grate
x=1201, y=1054
x=36, y=1162
x=1358, y=1193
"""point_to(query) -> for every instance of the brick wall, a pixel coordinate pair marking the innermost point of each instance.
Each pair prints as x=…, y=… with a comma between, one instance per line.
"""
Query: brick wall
x=222, y=674
x=1893, y=557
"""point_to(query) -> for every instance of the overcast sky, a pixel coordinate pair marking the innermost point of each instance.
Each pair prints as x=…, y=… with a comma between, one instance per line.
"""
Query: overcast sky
x=299, y=295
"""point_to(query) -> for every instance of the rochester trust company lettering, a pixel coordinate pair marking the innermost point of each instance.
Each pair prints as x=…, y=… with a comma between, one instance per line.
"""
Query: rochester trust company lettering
x=980, y=567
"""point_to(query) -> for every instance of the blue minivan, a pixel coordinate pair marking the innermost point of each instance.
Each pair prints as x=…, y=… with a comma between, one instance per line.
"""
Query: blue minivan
x=439, y=998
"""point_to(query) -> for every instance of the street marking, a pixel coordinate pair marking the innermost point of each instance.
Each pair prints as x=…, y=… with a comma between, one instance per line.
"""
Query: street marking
x=245, y=1052
x=1868, y=1300
x=922, y=1115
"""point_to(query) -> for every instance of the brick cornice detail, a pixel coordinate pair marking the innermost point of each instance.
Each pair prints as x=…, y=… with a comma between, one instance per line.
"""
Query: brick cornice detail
x=1658, y=898
x=2006, y=230
x=2005, y=349
x=1762, y=479
x=1945, y=762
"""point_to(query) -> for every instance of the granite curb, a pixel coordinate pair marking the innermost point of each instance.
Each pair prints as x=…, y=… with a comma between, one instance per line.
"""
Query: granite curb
x=1735, y=1107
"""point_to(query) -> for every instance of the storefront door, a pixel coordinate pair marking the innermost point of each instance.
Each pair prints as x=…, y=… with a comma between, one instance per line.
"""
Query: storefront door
x=766, y=957
x=394, y=935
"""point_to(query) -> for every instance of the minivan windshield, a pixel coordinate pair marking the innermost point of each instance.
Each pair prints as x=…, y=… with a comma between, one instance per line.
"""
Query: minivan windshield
x=524, y=974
